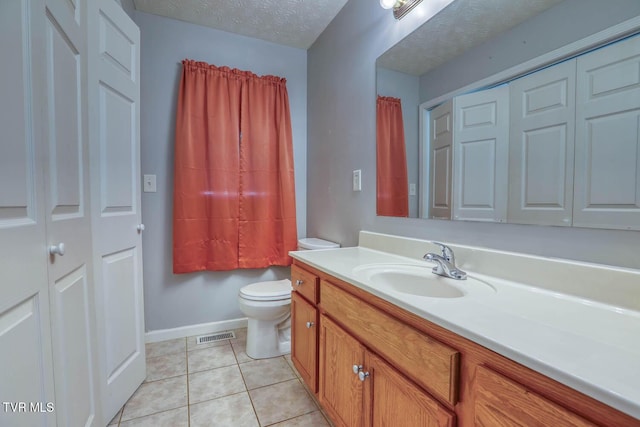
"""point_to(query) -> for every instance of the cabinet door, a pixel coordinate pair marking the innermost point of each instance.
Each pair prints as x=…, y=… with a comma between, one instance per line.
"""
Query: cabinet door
x=481, y=155
x=391, y=399
x=542, y=145
x=341, y=391
x=304, y=339
x=498, y=402
x=607, y=164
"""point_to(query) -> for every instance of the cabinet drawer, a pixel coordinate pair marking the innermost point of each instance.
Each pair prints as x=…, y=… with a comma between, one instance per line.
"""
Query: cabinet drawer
x=499, y=401
x=306, y=283
x=430, y=363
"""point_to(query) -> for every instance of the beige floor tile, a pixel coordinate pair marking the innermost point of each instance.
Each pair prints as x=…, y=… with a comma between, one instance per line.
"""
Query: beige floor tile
x=287, y=357
x=292, y=401
x=207, y=385
x=161, y=348
x=314, y=419
x=241, y=334
x=156, y=396
x=172, y=418
x=210, y=358
x=167, y=366
x=259, y=373
x=239, y=348
x=116, y=418
x=234, y=410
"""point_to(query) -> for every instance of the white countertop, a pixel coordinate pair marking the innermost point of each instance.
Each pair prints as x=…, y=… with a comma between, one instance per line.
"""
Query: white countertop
x=587, y=345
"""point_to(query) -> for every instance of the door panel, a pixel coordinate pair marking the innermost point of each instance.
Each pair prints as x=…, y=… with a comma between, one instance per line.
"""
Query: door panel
x=25, y=335
x=114, y=74
x=542, y=146
x=480, y=152
x=607, y=176
x=68, y=221
x=305, y=339
x=441, y=153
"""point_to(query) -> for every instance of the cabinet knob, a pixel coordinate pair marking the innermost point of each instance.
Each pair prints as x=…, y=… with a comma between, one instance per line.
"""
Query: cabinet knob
x=357, y=369
x=299, y=282
x=363, y=375
x=57, y=249
x=309, y=325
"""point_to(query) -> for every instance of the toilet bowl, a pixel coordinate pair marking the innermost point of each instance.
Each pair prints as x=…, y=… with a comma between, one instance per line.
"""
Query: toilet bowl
x=267, y=306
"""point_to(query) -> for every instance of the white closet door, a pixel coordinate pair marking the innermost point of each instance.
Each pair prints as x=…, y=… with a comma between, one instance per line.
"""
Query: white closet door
x=25, y=336
x=114, y=94
x=481, y=147
x=541, y=146
x=607, y=181
x=67, y=214
x=441, y=153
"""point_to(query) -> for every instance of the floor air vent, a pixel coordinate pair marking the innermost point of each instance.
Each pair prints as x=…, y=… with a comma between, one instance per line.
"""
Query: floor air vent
x=204, y=339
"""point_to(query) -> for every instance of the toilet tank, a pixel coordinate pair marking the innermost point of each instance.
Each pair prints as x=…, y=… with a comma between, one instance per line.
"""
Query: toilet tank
x=311, y=243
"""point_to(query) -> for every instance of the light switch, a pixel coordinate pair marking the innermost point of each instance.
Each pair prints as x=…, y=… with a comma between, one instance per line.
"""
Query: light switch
x=149, y=183
x=412, y=189
x=357, y=180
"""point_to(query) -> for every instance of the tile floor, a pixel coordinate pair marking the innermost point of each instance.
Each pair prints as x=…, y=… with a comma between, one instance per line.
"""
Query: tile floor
x=217, y=384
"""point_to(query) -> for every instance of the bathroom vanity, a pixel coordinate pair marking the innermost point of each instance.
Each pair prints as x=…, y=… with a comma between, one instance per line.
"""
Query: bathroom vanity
x=377, y=348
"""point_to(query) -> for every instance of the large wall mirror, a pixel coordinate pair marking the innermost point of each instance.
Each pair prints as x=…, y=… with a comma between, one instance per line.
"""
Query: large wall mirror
x=514, y=111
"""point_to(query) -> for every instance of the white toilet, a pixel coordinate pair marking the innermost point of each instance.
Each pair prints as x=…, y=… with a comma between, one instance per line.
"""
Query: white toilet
x=267, y=306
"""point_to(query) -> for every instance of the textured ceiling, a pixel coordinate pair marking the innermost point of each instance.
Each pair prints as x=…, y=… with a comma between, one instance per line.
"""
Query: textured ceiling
x=460, y=26
x=296, y=23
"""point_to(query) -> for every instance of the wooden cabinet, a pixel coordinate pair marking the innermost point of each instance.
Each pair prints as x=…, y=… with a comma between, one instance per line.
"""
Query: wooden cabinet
x=304, y=325
x=500, y=401
x=416, y=373
x=358, y=388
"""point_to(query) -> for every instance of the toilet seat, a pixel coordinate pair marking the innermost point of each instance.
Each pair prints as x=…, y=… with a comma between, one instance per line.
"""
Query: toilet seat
x=275, y=290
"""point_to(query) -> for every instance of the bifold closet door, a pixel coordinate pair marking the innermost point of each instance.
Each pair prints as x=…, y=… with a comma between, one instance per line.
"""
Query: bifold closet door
x=542, y=145
x=607, y=165
x=481, y=155
x=25, y=336
x=114, y=94
x=67, y=210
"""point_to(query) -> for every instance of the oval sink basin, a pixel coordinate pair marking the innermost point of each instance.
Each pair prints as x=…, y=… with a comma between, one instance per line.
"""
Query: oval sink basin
x=419, y=281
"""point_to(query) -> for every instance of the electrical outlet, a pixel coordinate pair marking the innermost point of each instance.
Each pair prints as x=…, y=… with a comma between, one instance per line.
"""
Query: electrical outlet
x=357, y=180
x=412, y=189
x=149, y=183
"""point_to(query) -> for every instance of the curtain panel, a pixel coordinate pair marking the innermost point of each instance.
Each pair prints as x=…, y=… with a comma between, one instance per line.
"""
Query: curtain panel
x=391, y=161
x=234, y=193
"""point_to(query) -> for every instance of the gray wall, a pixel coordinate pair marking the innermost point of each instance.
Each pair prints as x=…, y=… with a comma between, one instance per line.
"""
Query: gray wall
x=341, y=135
x=127, y=6
x=406, y=87
x=187, y=299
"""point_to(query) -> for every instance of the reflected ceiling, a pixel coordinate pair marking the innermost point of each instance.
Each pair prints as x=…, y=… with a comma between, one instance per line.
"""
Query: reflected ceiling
x=460, y=26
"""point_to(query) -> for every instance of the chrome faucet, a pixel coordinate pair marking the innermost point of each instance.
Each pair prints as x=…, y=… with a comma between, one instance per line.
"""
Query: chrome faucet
x=445, y=263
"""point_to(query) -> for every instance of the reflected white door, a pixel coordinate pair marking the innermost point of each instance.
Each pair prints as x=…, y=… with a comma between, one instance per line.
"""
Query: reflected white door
x=481, y=155
x=25, y=335
x=71, y=291
x=607, y=162
x=441, y=154
x=542, y=146
x=114, y=94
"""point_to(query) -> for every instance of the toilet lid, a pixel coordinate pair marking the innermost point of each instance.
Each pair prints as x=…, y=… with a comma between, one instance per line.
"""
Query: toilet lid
x=267, y=291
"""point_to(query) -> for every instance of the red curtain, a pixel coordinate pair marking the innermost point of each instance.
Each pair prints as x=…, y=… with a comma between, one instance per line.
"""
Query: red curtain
x=234, y=194
x=391, y=159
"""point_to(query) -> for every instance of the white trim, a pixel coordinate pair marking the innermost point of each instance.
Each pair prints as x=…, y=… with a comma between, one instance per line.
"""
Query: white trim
x=200, y=329
x=593, y=41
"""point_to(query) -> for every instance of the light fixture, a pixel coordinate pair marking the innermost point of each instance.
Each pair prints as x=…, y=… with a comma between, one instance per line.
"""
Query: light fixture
x=400, y=7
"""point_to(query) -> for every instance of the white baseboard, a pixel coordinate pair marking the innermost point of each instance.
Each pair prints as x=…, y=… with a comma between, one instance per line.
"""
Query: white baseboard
x=200, y=329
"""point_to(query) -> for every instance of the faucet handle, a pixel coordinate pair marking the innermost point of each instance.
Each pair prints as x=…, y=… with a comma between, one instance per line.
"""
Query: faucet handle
x=447, y=252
